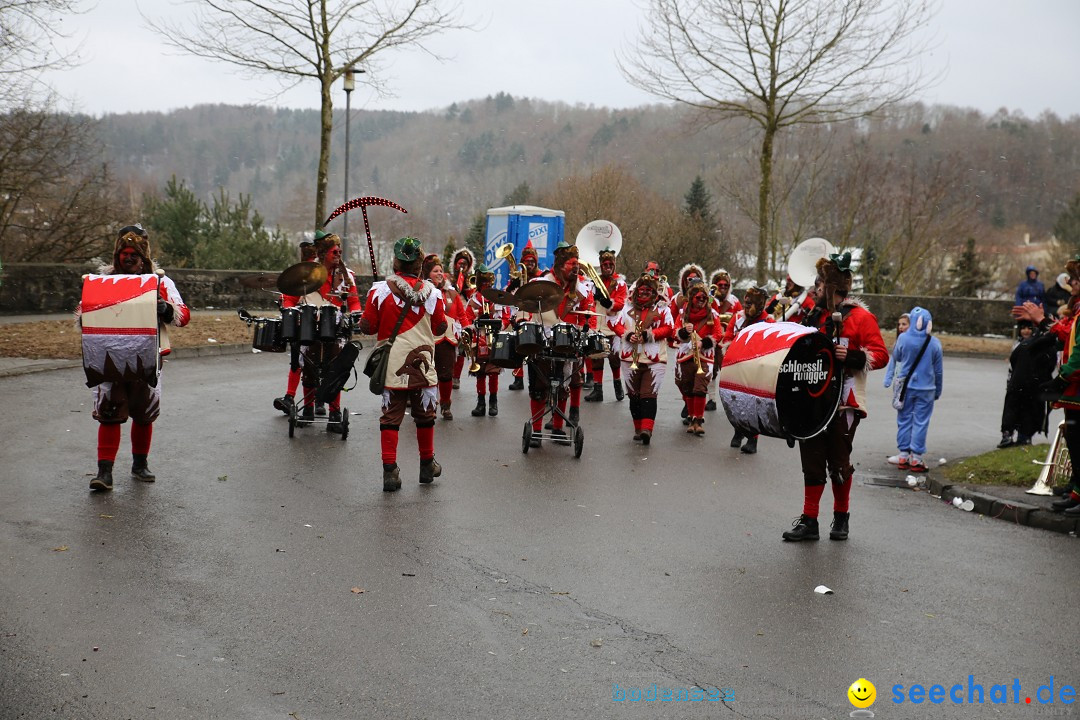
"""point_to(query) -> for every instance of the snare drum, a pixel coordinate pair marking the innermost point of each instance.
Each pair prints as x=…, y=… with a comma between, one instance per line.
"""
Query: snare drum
x=781, y=380
x=564, y=340
x=290, y=324
x=309, y=324
x=530, y=338
x=504, y=351
x=268, y=335
x=328, y=322
x=596, y=345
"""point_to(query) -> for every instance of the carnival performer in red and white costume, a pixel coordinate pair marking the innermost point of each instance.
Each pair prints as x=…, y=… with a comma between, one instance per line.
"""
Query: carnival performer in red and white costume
x=446, y=345
x=613, y=304
x=477, y=308
x=530, y=270
x=461, y=267
x=577, y=296
x=697, y=336
x=751, y=312
x=339, y=281
x=643, y=329
x=859, y=349
x=115, y=401
x=726, y=305
x=410, y=375
x=285, y=402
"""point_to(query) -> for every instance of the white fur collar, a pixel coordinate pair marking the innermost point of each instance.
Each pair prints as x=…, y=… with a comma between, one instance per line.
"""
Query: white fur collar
x=416, y=296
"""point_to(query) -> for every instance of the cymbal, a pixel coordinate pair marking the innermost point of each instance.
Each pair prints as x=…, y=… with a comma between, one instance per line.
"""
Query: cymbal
x=499, y=297
x=262, y=281
x=539, y=296
x=301, y=278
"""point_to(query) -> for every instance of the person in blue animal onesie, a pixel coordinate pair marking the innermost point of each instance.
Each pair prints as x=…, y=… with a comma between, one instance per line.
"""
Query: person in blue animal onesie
x=924, y=386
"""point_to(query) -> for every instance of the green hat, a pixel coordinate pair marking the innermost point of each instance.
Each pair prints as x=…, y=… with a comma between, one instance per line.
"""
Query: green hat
x=408, y=249
x=319, y=235
x=483, y=269
x=842, y=262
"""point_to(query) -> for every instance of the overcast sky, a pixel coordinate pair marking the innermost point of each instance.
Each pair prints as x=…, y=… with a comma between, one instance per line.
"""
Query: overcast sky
x=1018, y=55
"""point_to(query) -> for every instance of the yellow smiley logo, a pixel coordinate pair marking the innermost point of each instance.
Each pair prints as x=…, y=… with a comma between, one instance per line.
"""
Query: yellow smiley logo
x=862, y=693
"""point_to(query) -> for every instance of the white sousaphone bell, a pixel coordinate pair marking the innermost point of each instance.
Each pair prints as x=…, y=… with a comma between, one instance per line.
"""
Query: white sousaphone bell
x=802, y=268
x=591, y=239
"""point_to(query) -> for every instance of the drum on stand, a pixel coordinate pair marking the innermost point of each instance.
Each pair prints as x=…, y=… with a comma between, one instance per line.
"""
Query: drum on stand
x=596, y=345
x=504, y=351
x=309, y=324
x=328, y=323
x=530, y=338
x=267, y=336
x=781, y=380
x=290, y=324
x=564, y=340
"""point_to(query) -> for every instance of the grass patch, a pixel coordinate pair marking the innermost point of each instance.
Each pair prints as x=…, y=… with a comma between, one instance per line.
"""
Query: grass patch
x=1011, y=466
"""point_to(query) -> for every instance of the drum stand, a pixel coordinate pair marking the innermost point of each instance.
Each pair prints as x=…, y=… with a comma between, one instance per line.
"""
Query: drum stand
x=326, y=377
x=556, y=383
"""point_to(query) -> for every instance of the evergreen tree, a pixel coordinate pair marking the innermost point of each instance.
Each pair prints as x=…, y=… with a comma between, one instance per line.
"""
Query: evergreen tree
x=519, y=195
x=697, y=202
x=175, y=223
x=1067, y=226
x=968, y=276
x=702, y=237
x=475, y=239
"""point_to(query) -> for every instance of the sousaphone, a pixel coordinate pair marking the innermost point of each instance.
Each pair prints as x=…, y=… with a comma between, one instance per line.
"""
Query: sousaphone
x=591, y=239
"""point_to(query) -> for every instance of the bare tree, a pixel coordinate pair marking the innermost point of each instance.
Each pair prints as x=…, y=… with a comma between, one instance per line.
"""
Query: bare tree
x=28, y=31
x=779, y=63
x=317, y=39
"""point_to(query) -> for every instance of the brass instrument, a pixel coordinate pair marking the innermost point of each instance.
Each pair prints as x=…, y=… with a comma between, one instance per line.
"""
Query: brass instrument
x=472, y=348
x=506, y=252
x=591, y=239
x=637, y=346
x=1057, y=470
x=695, y=347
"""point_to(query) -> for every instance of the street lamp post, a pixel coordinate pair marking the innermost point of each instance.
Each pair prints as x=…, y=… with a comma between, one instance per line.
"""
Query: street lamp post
x=349, y=85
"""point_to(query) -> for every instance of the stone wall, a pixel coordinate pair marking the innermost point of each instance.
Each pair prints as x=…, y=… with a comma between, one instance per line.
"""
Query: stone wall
x=42, y=288
x=28, y=288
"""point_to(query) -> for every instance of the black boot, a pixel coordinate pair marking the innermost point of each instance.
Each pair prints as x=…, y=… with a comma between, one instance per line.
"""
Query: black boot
x=839, y=526
x=391, y=477
x=139, y=470
x=737, y=439
x=597, y=394
x=103, y=481
x=283, y=403
x=481, y=407
x=307, y=414
x=574, y=415
x=805, y=528
x=1006, y=440
x=320, y=409
x=429, y=470
x=333, y=424
x=518, y=384
x=1065, y=503
x=493, y=405
x=751, y=446
x=588, y=381
x=618, y=390
x=710, y=406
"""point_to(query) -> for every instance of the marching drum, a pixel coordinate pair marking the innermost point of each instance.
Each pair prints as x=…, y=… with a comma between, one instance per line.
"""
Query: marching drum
x=267, y=336
x=309, y=324
x=781, y=380
x=120, y=328
x=597, y=346
x=564, y=340
x=504, y=351
x=290, y=324
x=328, y=323
x=530, y=338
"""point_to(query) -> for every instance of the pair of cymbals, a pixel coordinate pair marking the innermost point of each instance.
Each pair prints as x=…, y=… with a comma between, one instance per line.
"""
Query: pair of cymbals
x=536, y=296
x=302, y=278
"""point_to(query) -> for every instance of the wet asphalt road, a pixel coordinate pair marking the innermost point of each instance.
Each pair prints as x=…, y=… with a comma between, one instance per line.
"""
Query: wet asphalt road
x=518, y=586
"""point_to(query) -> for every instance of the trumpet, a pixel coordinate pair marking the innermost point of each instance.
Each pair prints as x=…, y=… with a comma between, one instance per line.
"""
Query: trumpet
x=506, y=252
x=472, y=348
x=695, y=345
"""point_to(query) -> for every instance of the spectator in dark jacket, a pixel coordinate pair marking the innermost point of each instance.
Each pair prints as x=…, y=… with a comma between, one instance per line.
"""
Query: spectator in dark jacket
x=1031, y=364
x=1058, y=294
x=1031, y=290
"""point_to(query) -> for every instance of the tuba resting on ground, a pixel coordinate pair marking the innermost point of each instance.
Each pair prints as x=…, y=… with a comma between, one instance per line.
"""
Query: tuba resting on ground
x=1057, y=470
x=591, y=239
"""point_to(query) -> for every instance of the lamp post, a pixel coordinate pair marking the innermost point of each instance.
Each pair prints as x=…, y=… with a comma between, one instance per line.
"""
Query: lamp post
x=349, y=85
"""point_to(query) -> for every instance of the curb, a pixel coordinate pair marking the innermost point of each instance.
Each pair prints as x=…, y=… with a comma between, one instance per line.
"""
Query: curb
x=1019, y=513
x=13, y=367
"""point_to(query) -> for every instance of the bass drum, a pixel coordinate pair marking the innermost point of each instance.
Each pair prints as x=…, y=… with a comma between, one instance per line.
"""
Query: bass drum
x=504, y=351
x=530, y=338
x=781, y=380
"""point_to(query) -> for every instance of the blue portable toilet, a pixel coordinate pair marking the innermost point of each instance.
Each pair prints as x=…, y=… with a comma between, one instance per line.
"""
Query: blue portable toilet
x=518, y=225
